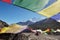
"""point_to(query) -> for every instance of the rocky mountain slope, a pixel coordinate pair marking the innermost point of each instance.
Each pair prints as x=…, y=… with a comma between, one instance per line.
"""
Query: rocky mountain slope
x=46, y=23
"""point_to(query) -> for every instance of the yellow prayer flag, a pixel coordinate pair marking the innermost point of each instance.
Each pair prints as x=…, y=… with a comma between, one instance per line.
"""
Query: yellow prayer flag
x=51, y=10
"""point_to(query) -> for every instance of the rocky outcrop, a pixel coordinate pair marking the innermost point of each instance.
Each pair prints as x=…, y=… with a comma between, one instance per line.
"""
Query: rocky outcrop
x=3, y=24
x=28, y=36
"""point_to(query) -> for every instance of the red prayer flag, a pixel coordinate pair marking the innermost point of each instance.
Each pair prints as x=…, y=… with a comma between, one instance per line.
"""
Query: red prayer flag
x=8, y=1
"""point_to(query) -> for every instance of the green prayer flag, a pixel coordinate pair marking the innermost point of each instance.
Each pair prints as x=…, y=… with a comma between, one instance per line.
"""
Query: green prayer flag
x=34, y=5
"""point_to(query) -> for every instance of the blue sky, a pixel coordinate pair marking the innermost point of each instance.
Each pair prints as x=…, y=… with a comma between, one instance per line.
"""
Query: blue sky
x=13, y=14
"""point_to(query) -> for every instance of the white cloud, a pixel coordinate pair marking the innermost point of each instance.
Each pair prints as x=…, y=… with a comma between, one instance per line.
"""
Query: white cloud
x=58, y=20
x=34, y=19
